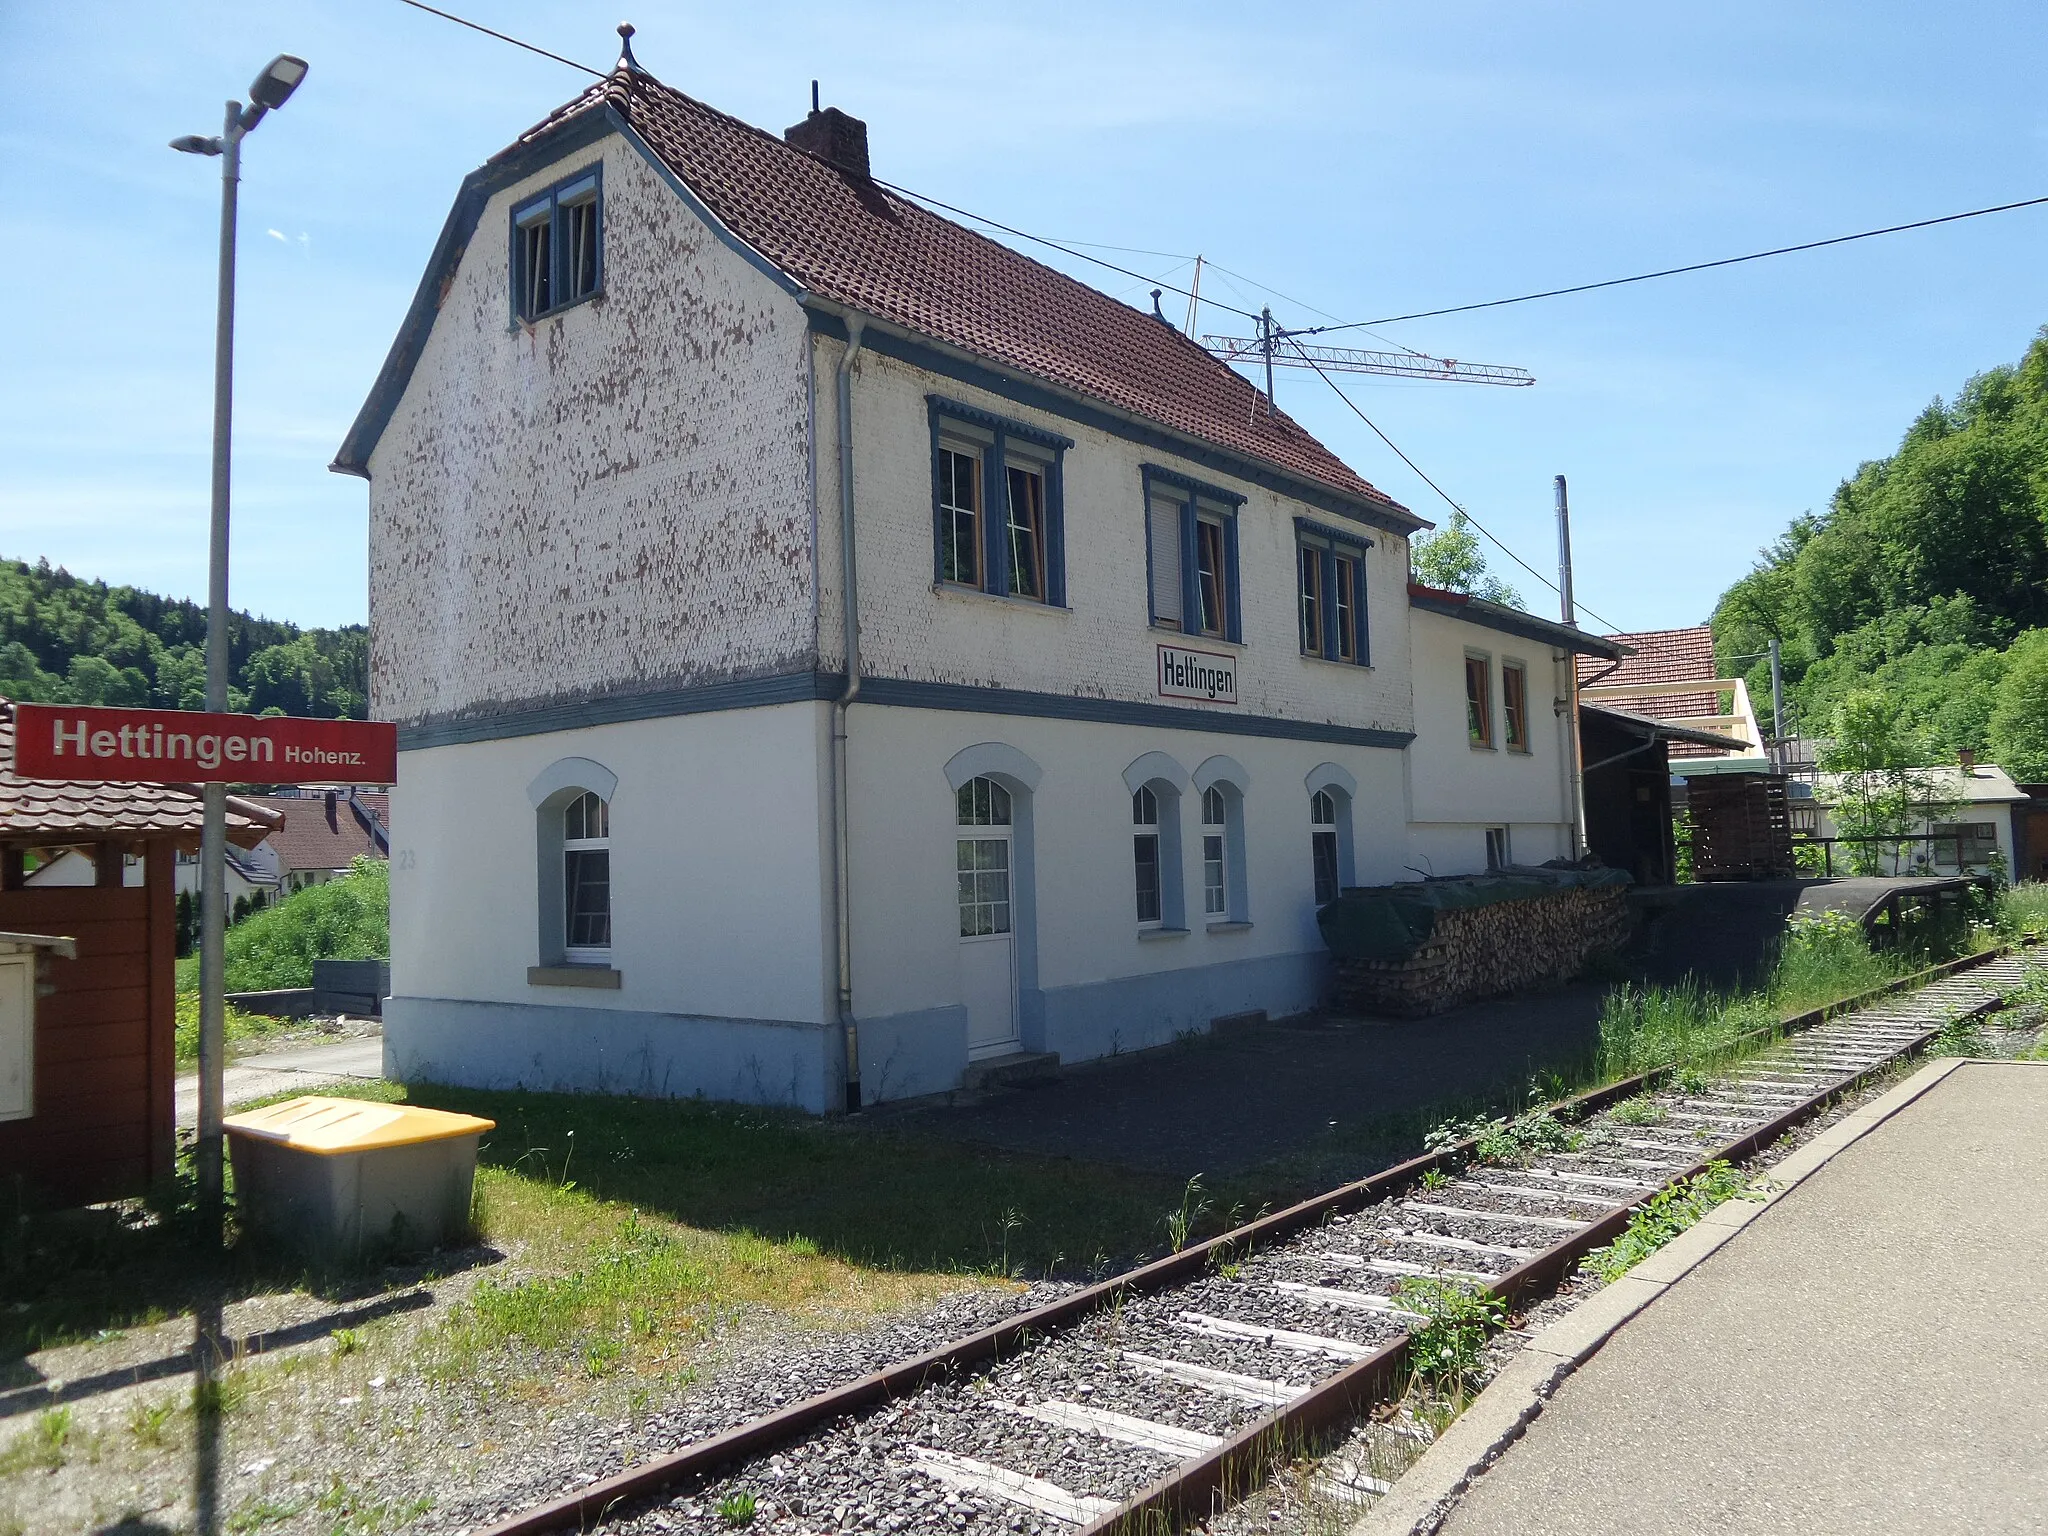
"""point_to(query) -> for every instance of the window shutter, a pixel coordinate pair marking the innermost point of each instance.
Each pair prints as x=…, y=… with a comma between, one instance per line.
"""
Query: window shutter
x=1163, y=524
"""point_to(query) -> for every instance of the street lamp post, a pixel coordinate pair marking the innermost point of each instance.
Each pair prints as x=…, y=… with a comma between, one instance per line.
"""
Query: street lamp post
x=272, y=89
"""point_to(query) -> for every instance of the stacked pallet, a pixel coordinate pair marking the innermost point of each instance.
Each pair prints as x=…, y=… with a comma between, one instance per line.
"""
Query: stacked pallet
x=1741, y=827
x=1478, y=952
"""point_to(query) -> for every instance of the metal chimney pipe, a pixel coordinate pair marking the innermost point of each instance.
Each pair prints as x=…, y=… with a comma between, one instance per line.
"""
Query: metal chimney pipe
x=1564, y=555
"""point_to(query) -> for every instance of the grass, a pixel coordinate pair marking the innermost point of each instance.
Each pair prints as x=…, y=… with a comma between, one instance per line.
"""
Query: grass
x=346, y=918
x=1822, y=960
x=237, y=1027
x=1666, y=1214
x=2022, y=909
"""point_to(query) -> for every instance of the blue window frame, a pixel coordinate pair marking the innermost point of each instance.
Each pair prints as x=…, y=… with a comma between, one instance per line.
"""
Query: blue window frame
x=998, y=509
x=1191, y=567
x=1330, y=580
x=557, y=251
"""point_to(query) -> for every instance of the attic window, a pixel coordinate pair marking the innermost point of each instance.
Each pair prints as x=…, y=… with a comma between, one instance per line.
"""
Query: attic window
x=557, y=247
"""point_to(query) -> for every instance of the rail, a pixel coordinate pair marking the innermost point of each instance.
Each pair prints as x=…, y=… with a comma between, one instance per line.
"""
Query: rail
x=1821, y=1054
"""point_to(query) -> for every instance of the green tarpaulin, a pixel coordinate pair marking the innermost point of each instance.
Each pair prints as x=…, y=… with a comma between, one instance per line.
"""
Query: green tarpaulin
x=1391, y=922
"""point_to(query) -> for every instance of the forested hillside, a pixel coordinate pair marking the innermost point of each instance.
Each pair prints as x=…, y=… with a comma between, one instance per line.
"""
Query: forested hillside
x=65, y=640
x=1926, y=579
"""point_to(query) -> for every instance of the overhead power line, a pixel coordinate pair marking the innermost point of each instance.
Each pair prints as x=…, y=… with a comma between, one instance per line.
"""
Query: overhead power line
x=503, y=37
x=1697, y=266
x=1613, y=628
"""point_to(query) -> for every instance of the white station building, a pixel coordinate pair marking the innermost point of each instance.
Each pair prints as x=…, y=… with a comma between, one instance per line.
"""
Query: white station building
x=836, y=657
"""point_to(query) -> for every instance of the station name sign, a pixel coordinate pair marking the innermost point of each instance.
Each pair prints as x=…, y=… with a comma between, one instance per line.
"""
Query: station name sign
x=1186, y=674
x=180, y=746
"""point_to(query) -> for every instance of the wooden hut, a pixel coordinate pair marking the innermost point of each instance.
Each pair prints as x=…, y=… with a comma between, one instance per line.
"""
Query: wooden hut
x=96, y=1121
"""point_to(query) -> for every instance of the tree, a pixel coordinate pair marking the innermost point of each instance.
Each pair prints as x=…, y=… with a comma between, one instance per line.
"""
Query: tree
x=2018, y=733
x=1451, y=559
x=1882, y=791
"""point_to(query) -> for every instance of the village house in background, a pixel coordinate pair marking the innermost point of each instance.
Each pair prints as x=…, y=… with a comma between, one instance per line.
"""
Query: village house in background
x=1981, y=823
x=837, y=657
x=87, y=1044
x=320, y=833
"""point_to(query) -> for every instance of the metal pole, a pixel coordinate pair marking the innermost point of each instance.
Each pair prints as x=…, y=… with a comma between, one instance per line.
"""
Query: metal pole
x=1567, y=611
x=1777, y=693
x=1571, y=666
x=1266, y=338
x=214, y=835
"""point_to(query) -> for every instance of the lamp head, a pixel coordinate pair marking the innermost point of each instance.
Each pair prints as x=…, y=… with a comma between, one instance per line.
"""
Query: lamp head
x=195, y=144
x=274, y=87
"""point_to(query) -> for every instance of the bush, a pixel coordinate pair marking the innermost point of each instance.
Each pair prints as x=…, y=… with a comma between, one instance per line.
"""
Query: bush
x=236, y=1026
x=347, y=918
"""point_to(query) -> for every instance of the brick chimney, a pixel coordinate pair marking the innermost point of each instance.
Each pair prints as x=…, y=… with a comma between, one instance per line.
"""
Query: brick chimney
x=1967, y=757
x=833, y=137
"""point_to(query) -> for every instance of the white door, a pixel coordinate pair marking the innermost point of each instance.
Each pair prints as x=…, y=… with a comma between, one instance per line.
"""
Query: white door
x=988, y=949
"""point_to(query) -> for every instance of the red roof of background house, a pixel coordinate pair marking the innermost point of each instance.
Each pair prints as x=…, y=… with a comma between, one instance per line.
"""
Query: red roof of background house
x=1659, y=656
x=1664, y=656
x=323, y=833
x=63, y=810
x=853, y=242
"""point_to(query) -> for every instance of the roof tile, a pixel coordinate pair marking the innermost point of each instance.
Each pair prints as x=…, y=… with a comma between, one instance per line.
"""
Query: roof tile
x=851, y=241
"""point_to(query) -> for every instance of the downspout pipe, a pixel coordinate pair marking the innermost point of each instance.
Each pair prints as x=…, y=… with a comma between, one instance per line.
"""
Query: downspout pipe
x=849, y=587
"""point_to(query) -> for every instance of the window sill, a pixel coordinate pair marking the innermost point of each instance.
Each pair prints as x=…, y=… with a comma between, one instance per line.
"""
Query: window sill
x=1232, y=925
x=1483, y=746
x=1195, y=641
x=523, y=323
x=1522, y=751
x=1153, y=935
x=955, y=589
x=600, y=976
x=1348, y=666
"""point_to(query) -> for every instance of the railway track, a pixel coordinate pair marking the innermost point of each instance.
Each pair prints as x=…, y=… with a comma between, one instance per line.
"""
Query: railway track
x=1142, y=1403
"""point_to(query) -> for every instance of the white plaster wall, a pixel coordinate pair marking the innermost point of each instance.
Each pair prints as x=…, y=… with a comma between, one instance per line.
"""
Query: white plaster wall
x=1997, y=813
x=906, y=929
x=1457, y=790
x=1103, y=645
x=617, y=497
x=719, y=870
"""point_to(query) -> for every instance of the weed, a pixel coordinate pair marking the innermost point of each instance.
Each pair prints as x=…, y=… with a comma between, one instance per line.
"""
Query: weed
x=1960, y=1037
x=354, y=1513
x=601, y=1356
x=219, y=1395
x=2023, y=910
x=148, y=1421
x=1693, y=1079
x=258, y=1513
x=1513, y=1143
x=1640, y=1110
x=1434, y=1179
x=43, y=1445
x=1231, y=1271
x=1447, y=1349
x=347, y=1340
x=1194, y=1205
x=737, y=1508
x=1666, y=1214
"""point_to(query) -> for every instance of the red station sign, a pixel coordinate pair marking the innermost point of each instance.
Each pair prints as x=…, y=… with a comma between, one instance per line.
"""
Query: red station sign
x=180, y=746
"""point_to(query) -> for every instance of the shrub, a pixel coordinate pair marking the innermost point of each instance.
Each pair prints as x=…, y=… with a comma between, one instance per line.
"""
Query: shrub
x=347, y=918
x=2022, y=909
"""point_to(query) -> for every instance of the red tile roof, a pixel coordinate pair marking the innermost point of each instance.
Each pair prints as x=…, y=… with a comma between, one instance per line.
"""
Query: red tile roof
x=852, y=242
x=50, y=811
x=1659, y=656
x=317, y=833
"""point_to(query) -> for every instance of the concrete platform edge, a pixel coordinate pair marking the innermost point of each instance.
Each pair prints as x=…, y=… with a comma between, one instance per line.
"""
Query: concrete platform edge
x=1426, y=1493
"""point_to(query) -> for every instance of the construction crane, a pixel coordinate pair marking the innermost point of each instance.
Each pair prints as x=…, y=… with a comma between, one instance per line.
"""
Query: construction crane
x=1276, y=347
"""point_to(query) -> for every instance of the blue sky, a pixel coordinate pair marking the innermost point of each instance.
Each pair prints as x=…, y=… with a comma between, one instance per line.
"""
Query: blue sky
x=1365, y=159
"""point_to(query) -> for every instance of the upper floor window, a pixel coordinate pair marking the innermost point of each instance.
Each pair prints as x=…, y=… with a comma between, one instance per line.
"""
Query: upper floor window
x=1514, y=704
x=1191, y=556
x=1331, y=573
x=997, y=513
x=1479, y=699
x=587, y=879
x=557, y=246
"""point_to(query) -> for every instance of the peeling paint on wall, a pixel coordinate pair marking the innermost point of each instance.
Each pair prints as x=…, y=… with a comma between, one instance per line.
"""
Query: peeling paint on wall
x=614, y=499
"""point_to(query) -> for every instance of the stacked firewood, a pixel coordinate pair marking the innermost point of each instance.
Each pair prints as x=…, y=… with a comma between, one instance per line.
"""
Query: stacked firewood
x=1478, y=952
